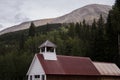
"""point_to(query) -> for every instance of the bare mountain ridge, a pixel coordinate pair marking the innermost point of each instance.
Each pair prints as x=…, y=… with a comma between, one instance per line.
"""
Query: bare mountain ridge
x=88, y=13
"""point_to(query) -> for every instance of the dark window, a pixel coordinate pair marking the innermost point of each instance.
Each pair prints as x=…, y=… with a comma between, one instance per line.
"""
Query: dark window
x=37, y=76
x=27, y=77
x=31, y=77
x=43, y=49
x=50, y=49
x=43, y=77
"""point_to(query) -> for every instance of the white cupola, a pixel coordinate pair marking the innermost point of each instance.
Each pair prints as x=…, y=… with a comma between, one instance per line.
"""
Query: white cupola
x=48, y=49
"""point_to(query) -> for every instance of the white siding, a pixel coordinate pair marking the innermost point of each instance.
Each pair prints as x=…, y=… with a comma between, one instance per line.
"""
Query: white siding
x=35, y=69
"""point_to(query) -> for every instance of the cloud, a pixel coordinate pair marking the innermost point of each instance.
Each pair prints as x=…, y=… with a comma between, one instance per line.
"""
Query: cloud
x=10, y=12
x=1, y=26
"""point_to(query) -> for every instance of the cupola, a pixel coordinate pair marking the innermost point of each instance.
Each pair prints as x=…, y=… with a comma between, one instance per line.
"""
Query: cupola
x=48, y=49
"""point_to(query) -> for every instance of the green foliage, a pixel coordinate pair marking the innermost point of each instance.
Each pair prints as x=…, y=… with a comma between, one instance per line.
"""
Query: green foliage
x=14, y=66
x=32, y=30
x=112, y=33
x=99, y=40
x=117, y=5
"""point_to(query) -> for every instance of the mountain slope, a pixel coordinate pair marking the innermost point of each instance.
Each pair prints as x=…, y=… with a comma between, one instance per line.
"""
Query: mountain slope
x=88, y=13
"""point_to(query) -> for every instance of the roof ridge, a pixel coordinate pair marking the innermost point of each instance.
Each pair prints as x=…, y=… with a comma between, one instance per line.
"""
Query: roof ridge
x=103, y=62
x=73, y=56
x=48, y=44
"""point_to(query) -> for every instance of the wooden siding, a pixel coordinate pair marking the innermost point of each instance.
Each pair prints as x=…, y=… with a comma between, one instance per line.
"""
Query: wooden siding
x=35, y=67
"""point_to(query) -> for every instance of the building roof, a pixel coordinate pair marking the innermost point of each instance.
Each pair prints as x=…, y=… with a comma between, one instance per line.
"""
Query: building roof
x=47, y=44
x=107, y=68
x=68, y=65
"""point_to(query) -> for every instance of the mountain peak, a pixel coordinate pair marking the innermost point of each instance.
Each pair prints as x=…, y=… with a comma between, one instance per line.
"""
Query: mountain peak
x=89, y=12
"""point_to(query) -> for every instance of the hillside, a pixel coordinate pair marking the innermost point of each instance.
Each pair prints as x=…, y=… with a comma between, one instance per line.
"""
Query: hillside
x=88, y=13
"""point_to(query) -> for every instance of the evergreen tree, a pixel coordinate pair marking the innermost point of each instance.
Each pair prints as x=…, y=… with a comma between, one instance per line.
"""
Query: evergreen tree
x=92, y=45
x=77, y=29
x=112, y=32
x=117, y=5
x=21, y=41
x=110, y=42
x=84, y=30
x=71, y=31
x=84, y=23
x=32, y=30
x=93, y=28
x=99, y=41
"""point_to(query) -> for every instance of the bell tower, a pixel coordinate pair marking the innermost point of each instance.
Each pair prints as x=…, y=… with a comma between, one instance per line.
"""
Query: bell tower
x=48, y=49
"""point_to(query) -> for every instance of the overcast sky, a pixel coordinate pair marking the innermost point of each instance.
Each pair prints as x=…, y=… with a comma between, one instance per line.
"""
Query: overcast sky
x=16, y=11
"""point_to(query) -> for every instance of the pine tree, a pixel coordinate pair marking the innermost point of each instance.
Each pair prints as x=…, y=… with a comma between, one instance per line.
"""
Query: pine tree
x=117, y=4
x=32, y=30
x=93, y=29
x=92, y=45
x=81, y=29
x=77, y=29
x=110, y=42
x=99, y=41
x=21, y=41
x=112, y=32
x=71, y=31
x=84, y=30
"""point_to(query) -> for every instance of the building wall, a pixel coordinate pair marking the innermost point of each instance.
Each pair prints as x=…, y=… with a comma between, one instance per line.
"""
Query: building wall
x=35, y=69
x=64, y=77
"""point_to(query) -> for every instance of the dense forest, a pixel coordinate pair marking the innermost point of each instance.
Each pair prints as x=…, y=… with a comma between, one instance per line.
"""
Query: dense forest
x=99, y=41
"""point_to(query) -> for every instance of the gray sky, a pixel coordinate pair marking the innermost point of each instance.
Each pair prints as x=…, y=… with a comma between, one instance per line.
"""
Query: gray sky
x=16, y=11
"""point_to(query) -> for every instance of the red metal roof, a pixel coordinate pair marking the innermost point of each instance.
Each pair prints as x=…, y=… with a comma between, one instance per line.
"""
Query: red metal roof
x=68, y=65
